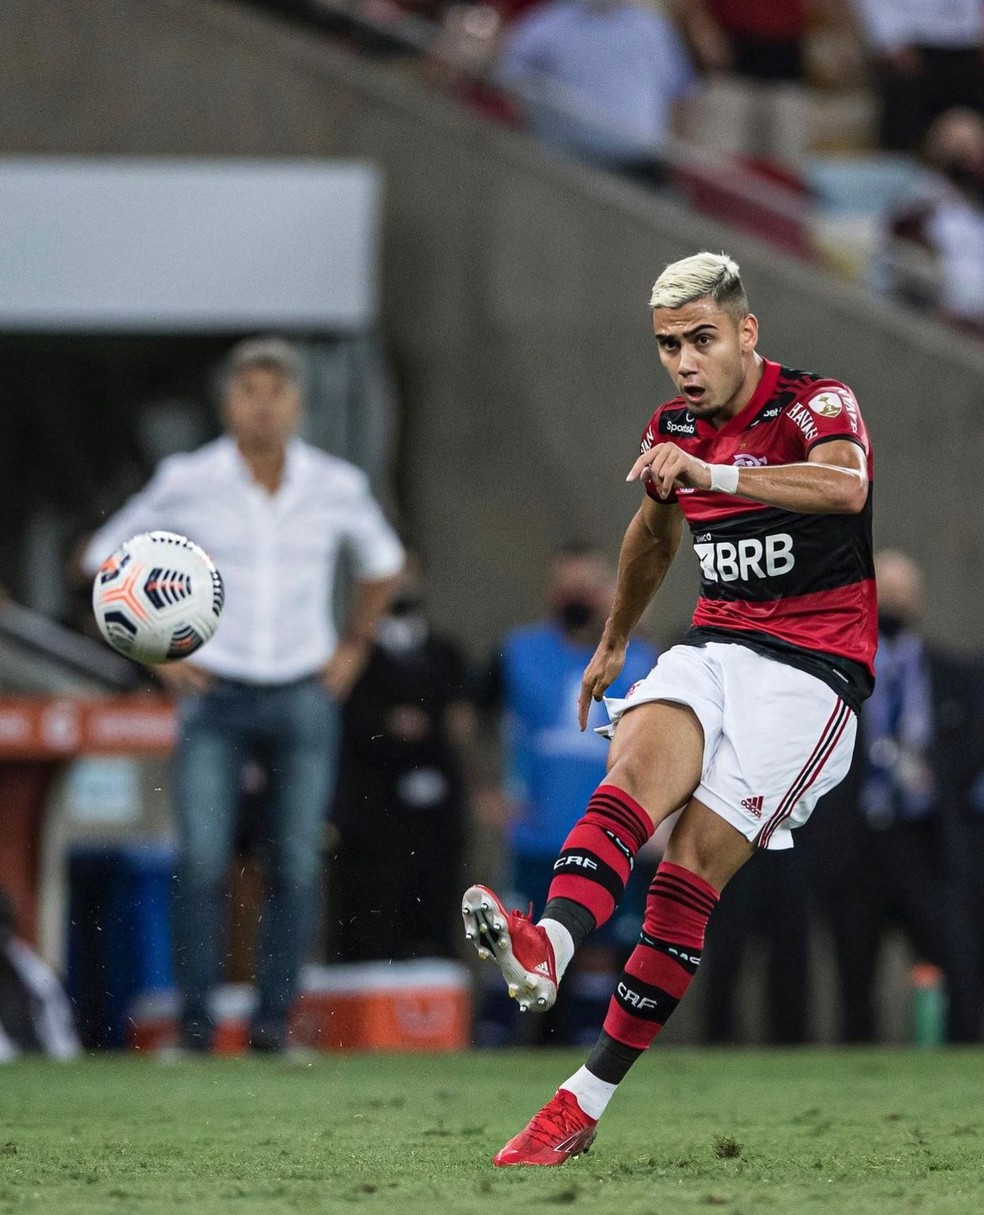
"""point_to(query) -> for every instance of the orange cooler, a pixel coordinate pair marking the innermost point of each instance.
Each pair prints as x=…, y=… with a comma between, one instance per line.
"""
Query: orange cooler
x=422, y=1005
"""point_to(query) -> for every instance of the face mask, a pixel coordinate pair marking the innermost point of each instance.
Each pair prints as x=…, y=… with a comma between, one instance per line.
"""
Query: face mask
x=966, y=180
x=575, y=614
x=406, y=605
x=890, y=624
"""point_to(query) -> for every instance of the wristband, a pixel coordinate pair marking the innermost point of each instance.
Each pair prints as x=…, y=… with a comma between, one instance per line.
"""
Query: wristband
x=724, y=478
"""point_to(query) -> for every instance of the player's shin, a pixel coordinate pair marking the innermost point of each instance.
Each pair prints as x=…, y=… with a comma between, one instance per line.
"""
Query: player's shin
x=590, y=875
x=654, y=980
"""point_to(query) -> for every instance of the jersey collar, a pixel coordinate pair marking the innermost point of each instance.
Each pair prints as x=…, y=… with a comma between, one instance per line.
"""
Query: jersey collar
x=746, y=415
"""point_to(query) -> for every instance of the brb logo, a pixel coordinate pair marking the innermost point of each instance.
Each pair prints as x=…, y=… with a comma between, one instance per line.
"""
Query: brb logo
x=722, y=561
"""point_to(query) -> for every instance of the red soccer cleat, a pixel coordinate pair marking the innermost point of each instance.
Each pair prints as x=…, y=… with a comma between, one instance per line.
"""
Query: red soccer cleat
x=559, y=1131
x=520, y=949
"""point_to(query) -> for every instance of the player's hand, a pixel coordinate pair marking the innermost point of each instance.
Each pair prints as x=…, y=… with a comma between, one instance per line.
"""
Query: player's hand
x=600, y=673
x=183, y=678
x=342, y=670
x=667, y=467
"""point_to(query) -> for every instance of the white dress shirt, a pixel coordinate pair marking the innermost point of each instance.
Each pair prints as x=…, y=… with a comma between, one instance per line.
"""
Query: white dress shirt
x=277, y=553
x=893, y=24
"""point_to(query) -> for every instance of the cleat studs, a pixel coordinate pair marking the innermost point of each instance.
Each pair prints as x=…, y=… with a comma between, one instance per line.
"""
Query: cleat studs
x=497, y=926
x=484, y=954
x=524, y=1007
x=541, y=1001
x=469, y=935
x=513, y=990
x=529, y=982
x=486, y=907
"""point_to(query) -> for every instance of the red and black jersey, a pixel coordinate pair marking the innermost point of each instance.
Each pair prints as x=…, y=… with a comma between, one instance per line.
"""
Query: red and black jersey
x=797, y=587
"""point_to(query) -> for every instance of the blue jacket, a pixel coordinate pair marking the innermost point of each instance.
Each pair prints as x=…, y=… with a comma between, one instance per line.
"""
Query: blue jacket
x=552, y=767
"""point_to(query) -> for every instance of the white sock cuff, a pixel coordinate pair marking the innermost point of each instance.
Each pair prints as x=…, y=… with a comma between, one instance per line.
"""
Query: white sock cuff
x=562, y=942
x=592, y=1094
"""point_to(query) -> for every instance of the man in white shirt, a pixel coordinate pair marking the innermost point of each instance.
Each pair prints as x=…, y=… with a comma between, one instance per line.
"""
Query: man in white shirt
x=274, y=514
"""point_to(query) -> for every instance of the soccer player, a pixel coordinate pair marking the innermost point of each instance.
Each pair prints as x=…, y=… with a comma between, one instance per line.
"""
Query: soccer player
x=748, y=721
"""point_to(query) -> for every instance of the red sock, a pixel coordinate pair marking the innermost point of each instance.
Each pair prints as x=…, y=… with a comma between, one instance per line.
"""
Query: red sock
x=661, y=966
x=598, y=855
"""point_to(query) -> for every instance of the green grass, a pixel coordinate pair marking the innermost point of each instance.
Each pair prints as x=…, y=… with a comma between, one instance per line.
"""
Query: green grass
x=750, y=1131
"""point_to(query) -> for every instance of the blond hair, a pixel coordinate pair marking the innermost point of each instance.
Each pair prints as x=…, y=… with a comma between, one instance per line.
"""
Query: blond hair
x=702, y=276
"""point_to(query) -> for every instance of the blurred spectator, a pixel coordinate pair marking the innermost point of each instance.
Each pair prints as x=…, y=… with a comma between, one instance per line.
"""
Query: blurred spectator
x=400, y=803
x=534, y=681
x=934, y=252
x=604, y=80
x=927, y=56
x=387, y=28
x=887, y=840
x=754, y=51
x=970, y=854
x=273, y=512
x=767, y=903
x=35, y=1015
x=464, y=53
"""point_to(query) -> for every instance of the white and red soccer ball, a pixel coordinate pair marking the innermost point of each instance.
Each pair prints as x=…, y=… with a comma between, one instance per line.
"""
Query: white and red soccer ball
x=158, y=598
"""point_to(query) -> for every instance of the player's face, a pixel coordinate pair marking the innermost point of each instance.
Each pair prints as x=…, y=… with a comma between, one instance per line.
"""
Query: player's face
x=709, y=355
x=262, y=407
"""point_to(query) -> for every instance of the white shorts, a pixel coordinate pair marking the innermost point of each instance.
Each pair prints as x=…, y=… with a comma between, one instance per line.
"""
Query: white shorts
x=775, y=738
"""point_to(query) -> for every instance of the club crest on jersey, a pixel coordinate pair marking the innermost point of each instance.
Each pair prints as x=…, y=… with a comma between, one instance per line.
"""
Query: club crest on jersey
x=826, y=404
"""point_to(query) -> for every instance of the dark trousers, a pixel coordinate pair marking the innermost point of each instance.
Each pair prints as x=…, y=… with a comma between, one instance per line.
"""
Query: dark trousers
x=765, y=904
x=970, y=877
x=897, y=877
x=395, y=893
x=908, y=104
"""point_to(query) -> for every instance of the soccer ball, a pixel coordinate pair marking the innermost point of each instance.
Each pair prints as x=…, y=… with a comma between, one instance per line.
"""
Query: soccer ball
x=158, y=597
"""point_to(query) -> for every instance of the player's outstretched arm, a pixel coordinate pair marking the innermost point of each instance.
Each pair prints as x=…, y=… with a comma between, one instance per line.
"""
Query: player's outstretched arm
x=648, y=548
x=833, y=480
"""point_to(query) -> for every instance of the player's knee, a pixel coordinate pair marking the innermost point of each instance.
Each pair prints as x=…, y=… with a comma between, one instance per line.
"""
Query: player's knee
x=630, y=774
x=707, y=846
x=690, y=853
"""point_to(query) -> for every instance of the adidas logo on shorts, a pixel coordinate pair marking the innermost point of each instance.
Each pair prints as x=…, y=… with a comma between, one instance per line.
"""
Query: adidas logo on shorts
x=754, y=805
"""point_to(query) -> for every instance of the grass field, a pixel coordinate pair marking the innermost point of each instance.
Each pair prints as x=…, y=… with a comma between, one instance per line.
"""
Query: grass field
x=784, y=1132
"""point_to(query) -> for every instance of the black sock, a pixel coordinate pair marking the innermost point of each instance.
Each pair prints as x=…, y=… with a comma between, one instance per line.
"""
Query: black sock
x=611, y=1060
x=578, y=921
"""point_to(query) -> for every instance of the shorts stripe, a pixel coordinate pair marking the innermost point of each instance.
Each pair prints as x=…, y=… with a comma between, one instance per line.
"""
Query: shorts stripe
x=808, y=773
x=820, y=767
x=826, y=744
